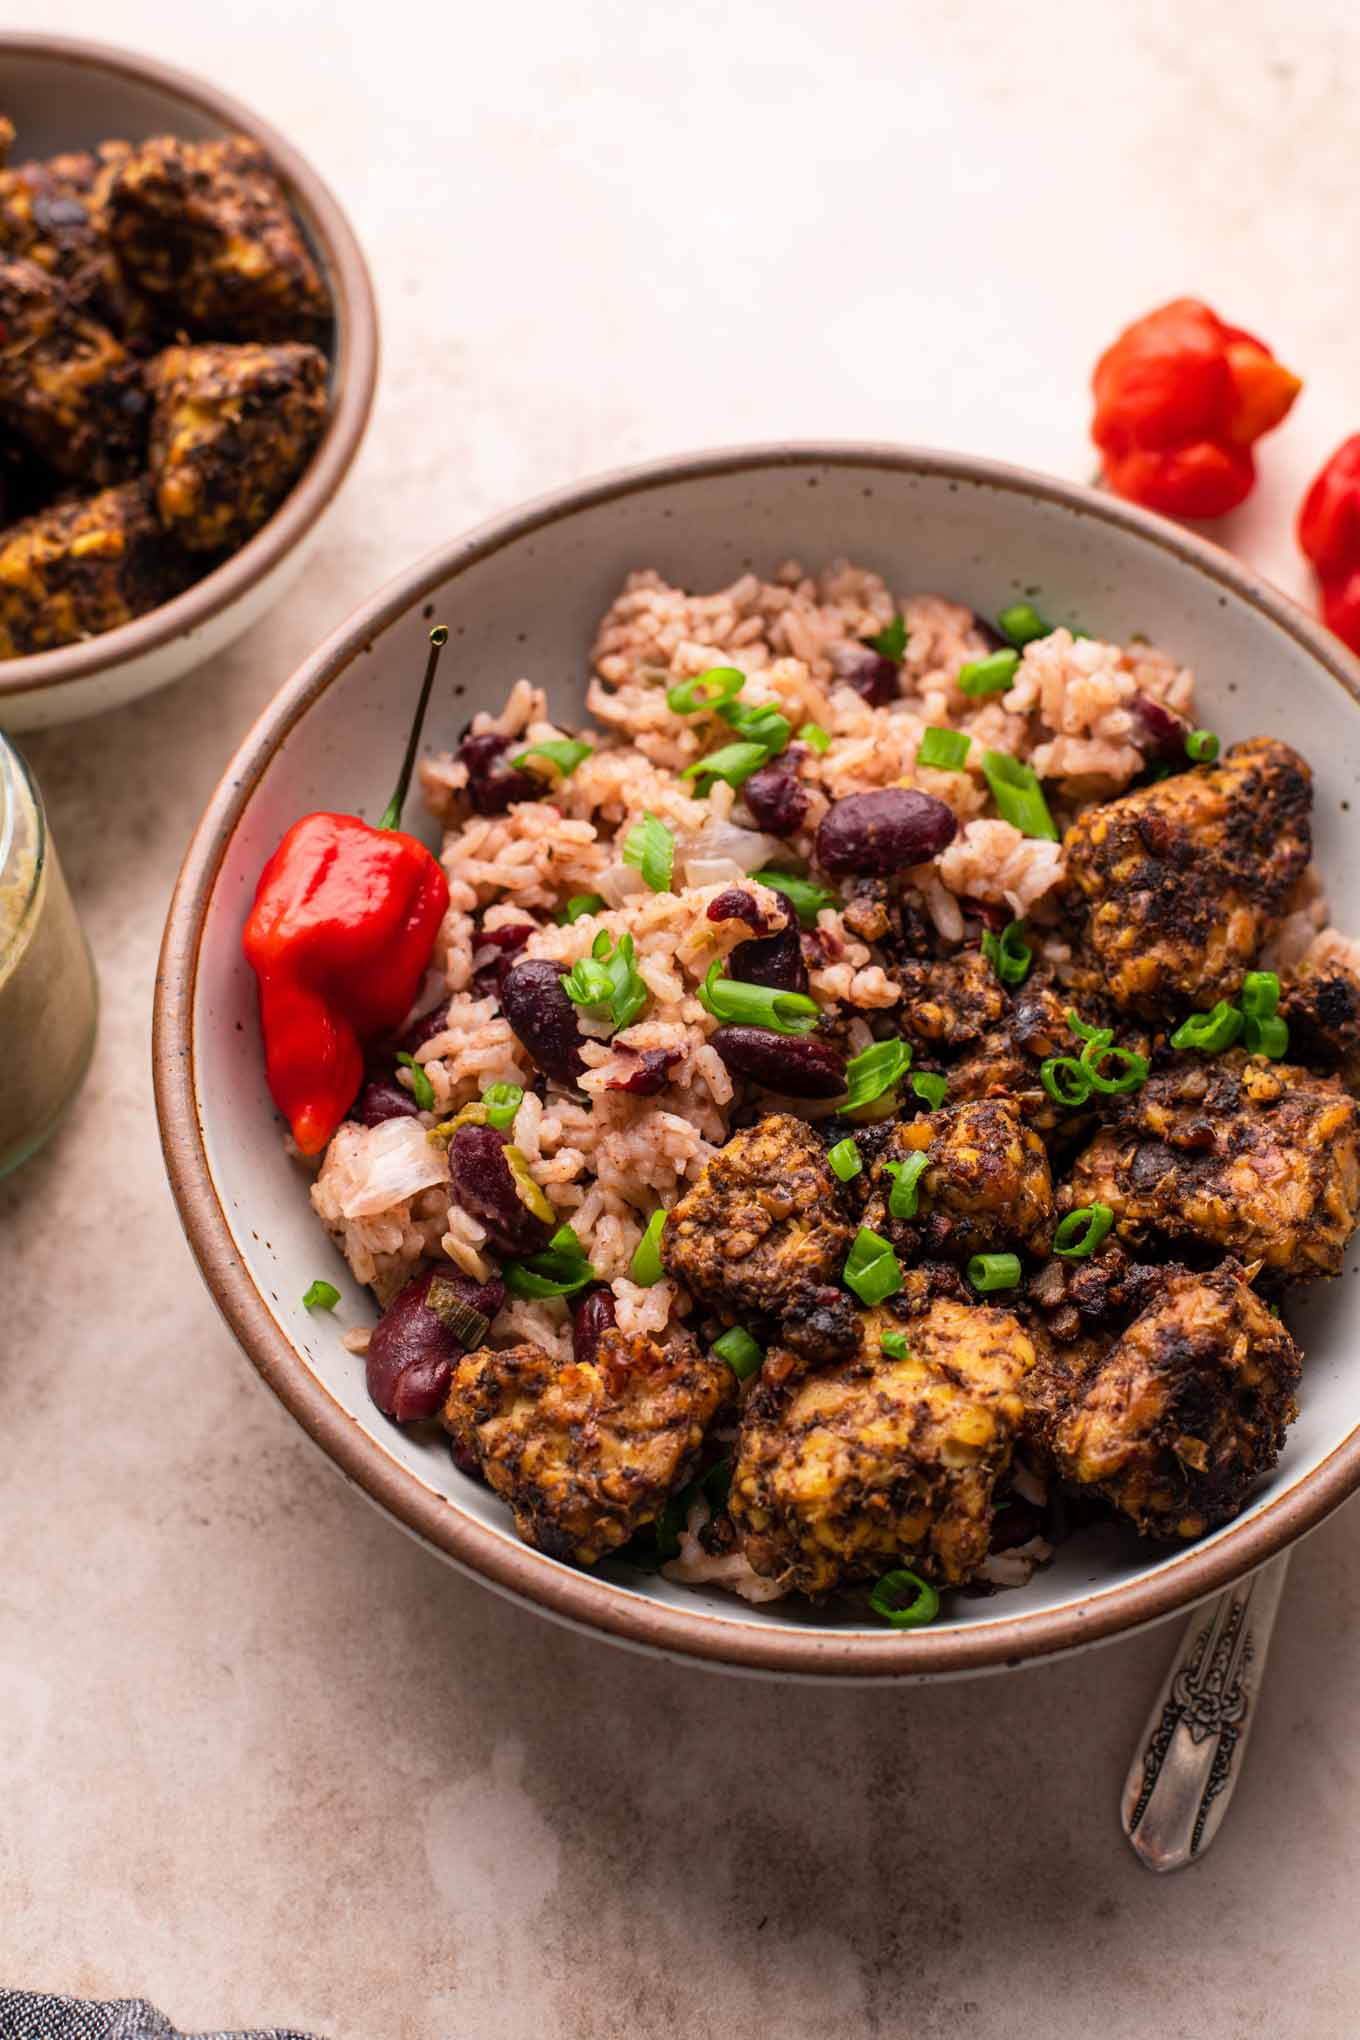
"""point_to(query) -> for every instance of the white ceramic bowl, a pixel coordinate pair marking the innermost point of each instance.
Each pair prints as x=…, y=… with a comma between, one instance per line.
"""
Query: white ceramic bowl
x=521, y=596
x=62, y=95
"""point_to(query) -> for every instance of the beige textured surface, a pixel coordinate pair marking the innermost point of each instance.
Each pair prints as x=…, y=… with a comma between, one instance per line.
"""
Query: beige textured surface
x=259, y=1756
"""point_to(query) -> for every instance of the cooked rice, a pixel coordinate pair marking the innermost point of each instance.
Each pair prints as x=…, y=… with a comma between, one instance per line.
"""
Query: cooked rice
x=604, y=1158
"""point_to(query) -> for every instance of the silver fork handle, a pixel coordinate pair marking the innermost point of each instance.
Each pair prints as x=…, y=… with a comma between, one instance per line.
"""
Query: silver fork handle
x=1190, y=1756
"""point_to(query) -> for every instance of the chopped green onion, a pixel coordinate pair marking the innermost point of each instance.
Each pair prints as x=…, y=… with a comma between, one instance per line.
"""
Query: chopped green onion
x=1008, y=953
x=713, y=689
x=1066, y=1081
x=649, y=847
x=815, y=737
x=645, y=1266
x=563, y=754
x=1133, y=1065
x=502, y=1102
x=1209, y=1032
x=1079, y=1027
x=1267, y=1036
x=905, y=1600
x=1082, y=1231
x=734, y=762
x=1260, y=995
x=560, y=1270
x=931, y=1088
x=944, y=749
x=1201, y=746
x=468, y=1324
x=740, y=1351
x=906, y=1189
x=891, y=641
x=804, y=895
x=987, y=1272
x=1018, y=794
x=757, y=1005
x=607, y=985
x=321, y=1296
x=844, y=1159
x=422, y=1090
x=759, y=723
x=1021, y=624
x=875, y=1070
x=579, y=905
x=894, y=1344
x=872, y=1269
x=993, y=675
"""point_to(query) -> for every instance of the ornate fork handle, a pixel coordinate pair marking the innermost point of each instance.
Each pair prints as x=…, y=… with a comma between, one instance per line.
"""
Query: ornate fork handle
x=1190, y=1756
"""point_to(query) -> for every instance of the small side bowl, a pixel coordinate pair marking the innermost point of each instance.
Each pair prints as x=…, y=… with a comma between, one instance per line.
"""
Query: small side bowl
x=62, y=93
x=521, y=596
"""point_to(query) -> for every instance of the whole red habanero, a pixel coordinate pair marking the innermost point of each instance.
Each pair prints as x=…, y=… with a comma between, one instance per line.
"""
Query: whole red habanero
x=340, y=937
x=1329, y=537
x=1180, y=400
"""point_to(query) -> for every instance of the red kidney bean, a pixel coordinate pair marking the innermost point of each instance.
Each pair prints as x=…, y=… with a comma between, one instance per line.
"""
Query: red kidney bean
x=423, y=1028
x=412, y=1353
x=775, y=960
x=875, y=833
x=875, y=677
x=591, y=1319
x=481, y=1181
x=380, y=1100
x=492, y=782
x=778, y=801
x=797, y=1065
x=738, y=905
x=1160, y=733
x=543, y=1018
x=650, y=1072
x=509, y=942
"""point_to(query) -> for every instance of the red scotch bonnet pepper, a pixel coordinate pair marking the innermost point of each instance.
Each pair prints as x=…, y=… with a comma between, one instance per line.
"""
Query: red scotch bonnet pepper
x=1329, y=536
x=1180, y=400
x=340, y=937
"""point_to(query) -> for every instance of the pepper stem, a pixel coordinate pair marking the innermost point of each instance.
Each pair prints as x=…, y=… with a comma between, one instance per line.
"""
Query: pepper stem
x=439, y=637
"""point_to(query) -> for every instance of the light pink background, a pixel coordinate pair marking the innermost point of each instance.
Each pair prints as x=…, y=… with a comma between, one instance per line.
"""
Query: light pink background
x=261, y=1758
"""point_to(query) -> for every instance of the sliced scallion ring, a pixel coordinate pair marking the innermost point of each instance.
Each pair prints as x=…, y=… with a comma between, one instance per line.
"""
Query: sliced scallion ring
x=1201, y=747
x=845, y=1160
x=988, y=1272
x=734, y=762
x=1260, y=998
x=993, y=675
x=649, y=847
x=872, y=1269
x=1133, y=1067
x=1020, y=624
x=1210, y=1032
x=422, y=1090
x=740, y=1351
x=931, y=1088
x=502, y=1102
x=1018, y=795
x=1268, y=1036
x=945, y=750
x=904, y=1197
x=562, y=754
x=1008, y=953
x=894, y=1344
x=891, y=641
x=815, y=737
x=711, y=690
x=645, y=1267
x=1081, y=1232
x=1066, y=1081
x=757, y=1005
x=579, y=905
x=874, y=1071
x=905, y=1600
x=320, y=1295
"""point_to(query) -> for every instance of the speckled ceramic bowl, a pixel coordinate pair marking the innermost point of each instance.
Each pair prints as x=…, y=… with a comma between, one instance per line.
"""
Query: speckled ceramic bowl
x=521, y=596
x=63, y=95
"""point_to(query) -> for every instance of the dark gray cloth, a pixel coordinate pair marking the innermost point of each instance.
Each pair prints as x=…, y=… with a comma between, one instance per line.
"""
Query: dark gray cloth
x=29, y=2015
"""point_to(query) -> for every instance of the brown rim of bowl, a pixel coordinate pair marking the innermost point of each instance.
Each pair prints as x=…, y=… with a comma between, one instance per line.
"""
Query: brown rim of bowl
x=495, y=1556
x=354, y=369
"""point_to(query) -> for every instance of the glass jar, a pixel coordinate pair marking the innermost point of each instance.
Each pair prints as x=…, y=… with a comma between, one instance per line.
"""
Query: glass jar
x=48, y=997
